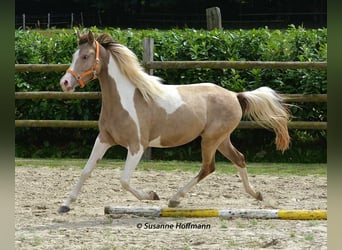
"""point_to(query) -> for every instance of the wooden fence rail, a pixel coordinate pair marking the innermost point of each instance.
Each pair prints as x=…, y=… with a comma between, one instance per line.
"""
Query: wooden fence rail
x=149, y=65
x=190, y=64
x=235, y=65
x=94, y=124
x=97, y=95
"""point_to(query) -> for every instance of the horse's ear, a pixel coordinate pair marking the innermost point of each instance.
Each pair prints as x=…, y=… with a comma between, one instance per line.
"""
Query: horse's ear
x=90, y=37
x=78, y=34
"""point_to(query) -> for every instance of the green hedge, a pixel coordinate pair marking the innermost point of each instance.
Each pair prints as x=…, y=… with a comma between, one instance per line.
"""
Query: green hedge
x=292, y=44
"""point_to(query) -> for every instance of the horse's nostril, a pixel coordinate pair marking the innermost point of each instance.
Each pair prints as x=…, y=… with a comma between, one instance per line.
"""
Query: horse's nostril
x=65, y=82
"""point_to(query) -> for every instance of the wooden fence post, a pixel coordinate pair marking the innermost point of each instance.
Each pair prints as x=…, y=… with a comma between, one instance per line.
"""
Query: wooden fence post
x=213, y=18
x=148, y=44
x=72, y=20
x=82, y=24
x=48, y=20
x=24, y=21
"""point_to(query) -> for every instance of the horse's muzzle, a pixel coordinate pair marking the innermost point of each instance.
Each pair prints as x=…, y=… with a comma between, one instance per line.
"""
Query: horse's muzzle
x=67, y=83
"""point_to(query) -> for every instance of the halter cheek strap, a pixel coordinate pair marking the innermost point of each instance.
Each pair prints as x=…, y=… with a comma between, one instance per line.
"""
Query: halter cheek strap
x=92, y=71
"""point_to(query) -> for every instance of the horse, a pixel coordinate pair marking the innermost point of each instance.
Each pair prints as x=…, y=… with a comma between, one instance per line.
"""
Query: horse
x=140, y=111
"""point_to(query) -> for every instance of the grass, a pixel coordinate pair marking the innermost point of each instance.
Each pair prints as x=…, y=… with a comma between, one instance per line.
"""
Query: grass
x=309, y=237
x=221, y=167
x=223, y=223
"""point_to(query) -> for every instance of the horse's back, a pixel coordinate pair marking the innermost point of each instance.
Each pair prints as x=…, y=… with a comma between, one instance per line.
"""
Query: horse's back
x=223, y=110
x=202, y=108
x=218, y=101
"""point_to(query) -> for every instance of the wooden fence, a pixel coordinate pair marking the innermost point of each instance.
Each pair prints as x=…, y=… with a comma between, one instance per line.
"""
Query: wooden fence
x=149, y=64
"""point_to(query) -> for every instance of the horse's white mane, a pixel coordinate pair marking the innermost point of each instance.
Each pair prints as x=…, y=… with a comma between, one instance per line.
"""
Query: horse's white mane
x=149, y=86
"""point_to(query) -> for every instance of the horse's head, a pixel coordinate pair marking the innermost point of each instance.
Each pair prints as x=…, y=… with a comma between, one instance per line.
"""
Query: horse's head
x=85, y=64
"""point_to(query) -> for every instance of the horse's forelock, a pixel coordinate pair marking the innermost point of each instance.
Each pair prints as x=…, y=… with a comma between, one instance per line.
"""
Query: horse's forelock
x=82, y=39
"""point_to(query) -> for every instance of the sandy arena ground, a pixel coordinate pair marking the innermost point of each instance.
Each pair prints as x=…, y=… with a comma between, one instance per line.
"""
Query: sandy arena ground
x=40, y=190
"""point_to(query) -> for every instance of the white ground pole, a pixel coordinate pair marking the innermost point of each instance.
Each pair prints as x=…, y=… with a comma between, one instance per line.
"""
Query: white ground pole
x=222, y=213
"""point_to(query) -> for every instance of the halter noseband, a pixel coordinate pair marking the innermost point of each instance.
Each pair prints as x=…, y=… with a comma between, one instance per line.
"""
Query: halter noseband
x=79, y=77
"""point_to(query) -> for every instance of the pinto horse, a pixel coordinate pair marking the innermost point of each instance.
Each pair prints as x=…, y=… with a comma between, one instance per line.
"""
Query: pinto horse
x=138, y=112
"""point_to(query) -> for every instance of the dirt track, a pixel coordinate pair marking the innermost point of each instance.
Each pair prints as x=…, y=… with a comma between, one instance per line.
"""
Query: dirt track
x=40, y=191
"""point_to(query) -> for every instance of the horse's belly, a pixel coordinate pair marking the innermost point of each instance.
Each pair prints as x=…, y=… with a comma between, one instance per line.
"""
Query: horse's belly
x=156, y=143
x=175, y=136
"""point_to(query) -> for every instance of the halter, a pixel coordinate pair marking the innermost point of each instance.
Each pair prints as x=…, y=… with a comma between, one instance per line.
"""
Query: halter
x=79, y=77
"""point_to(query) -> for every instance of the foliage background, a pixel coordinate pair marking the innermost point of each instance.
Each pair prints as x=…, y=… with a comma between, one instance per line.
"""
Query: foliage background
x=292, y=44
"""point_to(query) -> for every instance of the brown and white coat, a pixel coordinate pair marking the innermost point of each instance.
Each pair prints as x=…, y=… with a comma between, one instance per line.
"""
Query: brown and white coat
x=138, y=112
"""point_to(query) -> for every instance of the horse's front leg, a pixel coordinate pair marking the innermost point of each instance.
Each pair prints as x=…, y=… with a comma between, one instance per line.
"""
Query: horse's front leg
x=99, y=149
x=130, y=165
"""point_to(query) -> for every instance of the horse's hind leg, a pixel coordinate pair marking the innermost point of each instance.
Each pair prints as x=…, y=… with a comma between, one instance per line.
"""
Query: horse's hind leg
x=230, y=152
x=208, y=166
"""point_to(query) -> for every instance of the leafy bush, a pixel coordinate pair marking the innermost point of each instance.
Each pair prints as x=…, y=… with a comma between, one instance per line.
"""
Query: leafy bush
x=292, y=44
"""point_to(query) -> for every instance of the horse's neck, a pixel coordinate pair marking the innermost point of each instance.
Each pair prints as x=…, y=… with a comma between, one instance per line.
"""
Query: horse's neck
x=115, y=87
x=119, y=92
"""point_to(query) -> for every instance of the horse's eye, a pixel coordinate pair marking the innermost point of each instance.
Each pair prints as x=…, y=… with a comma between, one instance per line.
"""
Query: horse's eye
x=85, y=57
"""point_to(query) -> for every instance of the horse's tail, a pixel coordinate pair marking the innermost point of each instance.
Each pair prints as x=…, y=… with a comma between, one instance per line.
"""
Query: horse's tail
x=266, y=107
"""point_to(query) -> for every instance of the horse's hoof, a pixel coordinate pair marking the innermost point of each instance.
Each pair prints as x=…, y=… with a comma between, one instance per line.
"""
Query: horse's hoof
x=259, y=196
x=153, y=195
x=173, y=203
x=63, y=209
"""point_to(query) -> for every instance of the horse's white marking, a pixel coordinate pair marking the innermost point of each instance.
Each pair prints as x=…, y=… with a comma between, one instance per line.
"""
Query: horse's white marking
x=155, y=143
x=67, y=81
x=99, y=149
x=171, y=100
x=74, y=59
x=131, y=162
x=185, y=189
x=126, y=91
